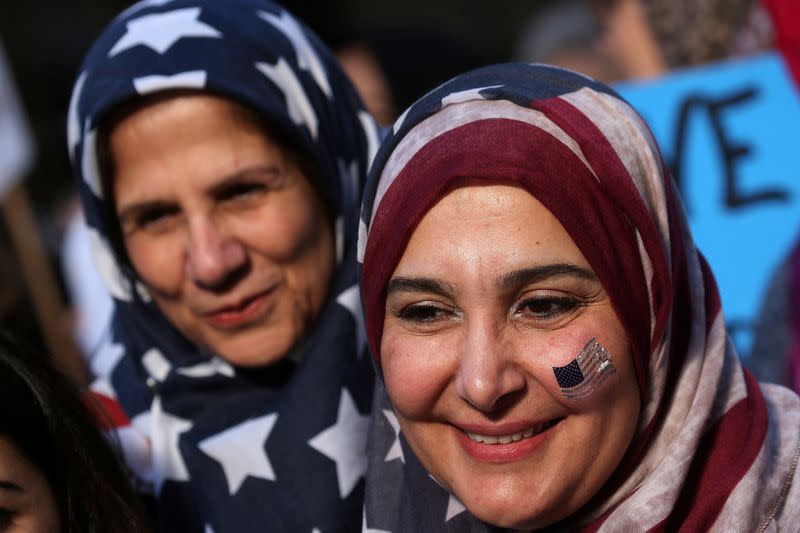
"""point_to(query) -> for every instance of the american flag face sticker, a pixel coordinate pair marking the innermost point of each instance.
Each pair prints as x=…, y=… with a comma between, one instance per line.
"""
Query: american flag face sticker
x=583, y=375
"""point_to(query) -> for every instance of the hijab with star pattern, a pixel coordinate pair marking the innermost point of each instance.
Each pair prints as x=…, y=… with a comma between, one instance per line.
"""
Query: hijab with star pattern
x=224, y=448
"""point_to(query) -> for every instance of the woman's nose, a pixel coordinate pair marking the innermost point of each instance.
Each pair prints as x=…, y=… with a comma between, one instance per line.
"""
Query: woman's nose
x=214, y=256
x=488, y=378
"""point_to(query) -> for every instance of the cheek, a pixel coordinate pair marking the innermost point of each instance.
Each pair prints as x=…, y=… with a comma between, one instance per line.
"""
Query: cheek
x=157, y=260
x=282, y=230
x=552, y=361
x=416, y=369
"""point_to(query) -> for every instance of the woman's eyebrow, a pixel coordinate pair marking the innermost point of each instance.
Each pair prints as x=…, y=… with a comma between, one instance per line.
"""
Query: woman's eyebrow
x=243, y=174
x=134, y=209
x=524, y=276
x=435, y=286
x=9, y=485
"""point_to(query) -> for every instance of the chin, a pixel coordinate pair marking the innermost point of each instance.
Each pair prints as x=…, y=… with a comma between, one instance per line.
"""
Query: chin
x=513, y=513
x=522, y=521
x=254, y=351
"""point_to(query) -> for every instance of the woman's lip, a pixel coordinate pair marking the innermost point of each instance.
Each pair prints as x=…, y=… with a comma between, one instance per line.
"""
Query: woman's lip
x=504, y=452
x=236, y=316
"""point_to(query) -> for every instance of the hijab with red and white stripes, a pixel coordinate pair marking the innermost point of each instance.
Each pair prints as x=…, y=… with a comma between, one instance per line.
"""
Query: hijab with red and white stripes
x=714, y=449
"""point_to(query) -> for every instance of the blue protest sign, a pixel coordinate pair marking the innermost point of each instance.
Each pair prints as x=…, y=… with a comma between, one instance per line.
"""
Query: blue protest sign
x=731, y=133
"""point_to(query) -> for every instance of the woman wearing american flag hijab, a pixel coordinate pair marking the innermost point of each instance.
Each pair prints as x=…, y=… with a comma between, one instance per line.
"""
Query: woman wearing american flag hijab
x=220, y=152
x=550, y=340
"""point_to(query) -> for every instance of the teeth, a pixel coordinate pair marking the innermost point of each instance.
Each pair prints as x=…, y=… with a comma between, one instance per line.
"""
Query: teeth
x=505, y=439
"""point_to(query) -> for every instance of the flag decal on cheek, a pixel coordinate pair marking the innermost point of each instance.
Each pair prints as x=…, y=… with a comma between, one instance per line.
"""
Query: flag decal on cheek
x=584, y=374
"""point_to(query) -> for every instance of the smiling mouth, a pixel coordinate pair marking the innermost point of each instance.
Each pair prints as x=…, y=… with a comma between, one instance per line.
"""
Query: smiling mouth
x=245, y=312
x=513, y=437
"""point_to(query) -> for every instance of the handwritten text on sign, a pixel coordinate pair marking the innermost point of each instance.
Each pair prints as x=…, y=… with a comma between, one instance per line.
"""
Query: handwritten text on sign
x=731, y=133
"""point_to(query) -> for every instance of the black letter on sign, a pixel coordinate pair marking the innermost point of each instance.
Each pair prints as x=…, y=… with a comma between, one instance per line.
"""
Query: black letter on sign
x=734, y=198
x=676, y=165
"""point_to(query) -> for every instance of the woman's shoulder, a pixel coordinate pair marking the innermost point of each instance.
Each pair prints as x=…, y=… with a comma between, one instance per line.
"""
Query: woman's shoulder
x=783, y=406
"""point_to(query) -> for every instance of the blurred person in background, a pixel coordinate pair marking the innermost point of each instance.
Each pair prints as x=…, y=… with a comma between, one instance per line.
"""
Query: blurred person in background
x=220, y=151
x=57, y=471
x=649, y=37
x=565, y=34
x=775, y=355
x=646, y=38
x=391, y=64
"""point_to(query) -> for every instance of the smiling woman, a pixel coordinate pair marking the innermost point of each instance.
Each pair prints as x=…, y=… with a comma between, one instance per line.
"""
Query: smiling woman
x=488, y=313
x=187, y=168
x=551, y=343
x=221, y=152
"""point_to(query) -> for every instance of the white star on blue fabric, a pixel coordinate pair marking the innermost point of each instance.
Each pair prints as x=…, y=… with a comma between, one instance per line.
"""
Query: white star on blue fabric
x=398, y=123
x=137, y=446
x=168, y=463
x=350, y=299
x=345, y=443
x=193, y=79
x=91, y=171
x=209, y=529
x=156, y=364
x=396, y=451
x=466, y=96
x=454, y=508
x=297, y=103
x=160, y=31
x=371, y=133
x=206, y=370
x=240, y=450
x=107, y=357
x=73, y=117
x=363, y=234
x=138, y=6
x=365, y=529
x=307, y=58
x=117, y=284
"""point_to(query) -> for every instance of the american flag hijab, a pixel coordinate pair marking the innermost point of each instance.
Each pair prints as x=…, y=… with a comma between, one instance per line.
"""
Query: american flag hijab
x=714, y=450
x=226, y=449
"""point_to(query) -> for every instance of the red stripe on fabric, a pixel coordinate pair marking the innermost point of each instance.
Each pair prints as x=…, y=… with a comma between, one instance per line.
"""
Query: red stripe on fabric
x=785, y=16
x=712, y=298
x=724, y=455
x=679, y=333
x=669, y=286
x=624, y=196
x=107, y=411
x=516, y=152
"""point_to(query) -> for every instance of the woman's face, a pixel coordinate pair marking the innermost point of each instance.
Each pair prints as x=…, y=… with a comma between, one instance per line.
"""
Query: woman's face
x=222, y=226
x=27, y=504
x=490, y=295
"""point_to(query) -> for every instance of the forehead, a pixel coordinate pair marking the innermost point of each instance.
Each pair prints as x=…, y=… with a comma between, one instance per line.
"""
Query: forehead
x=187, y=139
x=184, y=112
x=13, y=465
x=483, y=227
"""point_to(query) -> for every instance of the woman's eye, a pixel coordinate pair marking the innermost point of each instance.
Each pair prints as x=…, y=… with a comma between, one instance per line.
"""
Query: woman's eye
x=242, y=191
x=544, y=307
x=422, y=313
x=6, y=518
x=155, y=218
